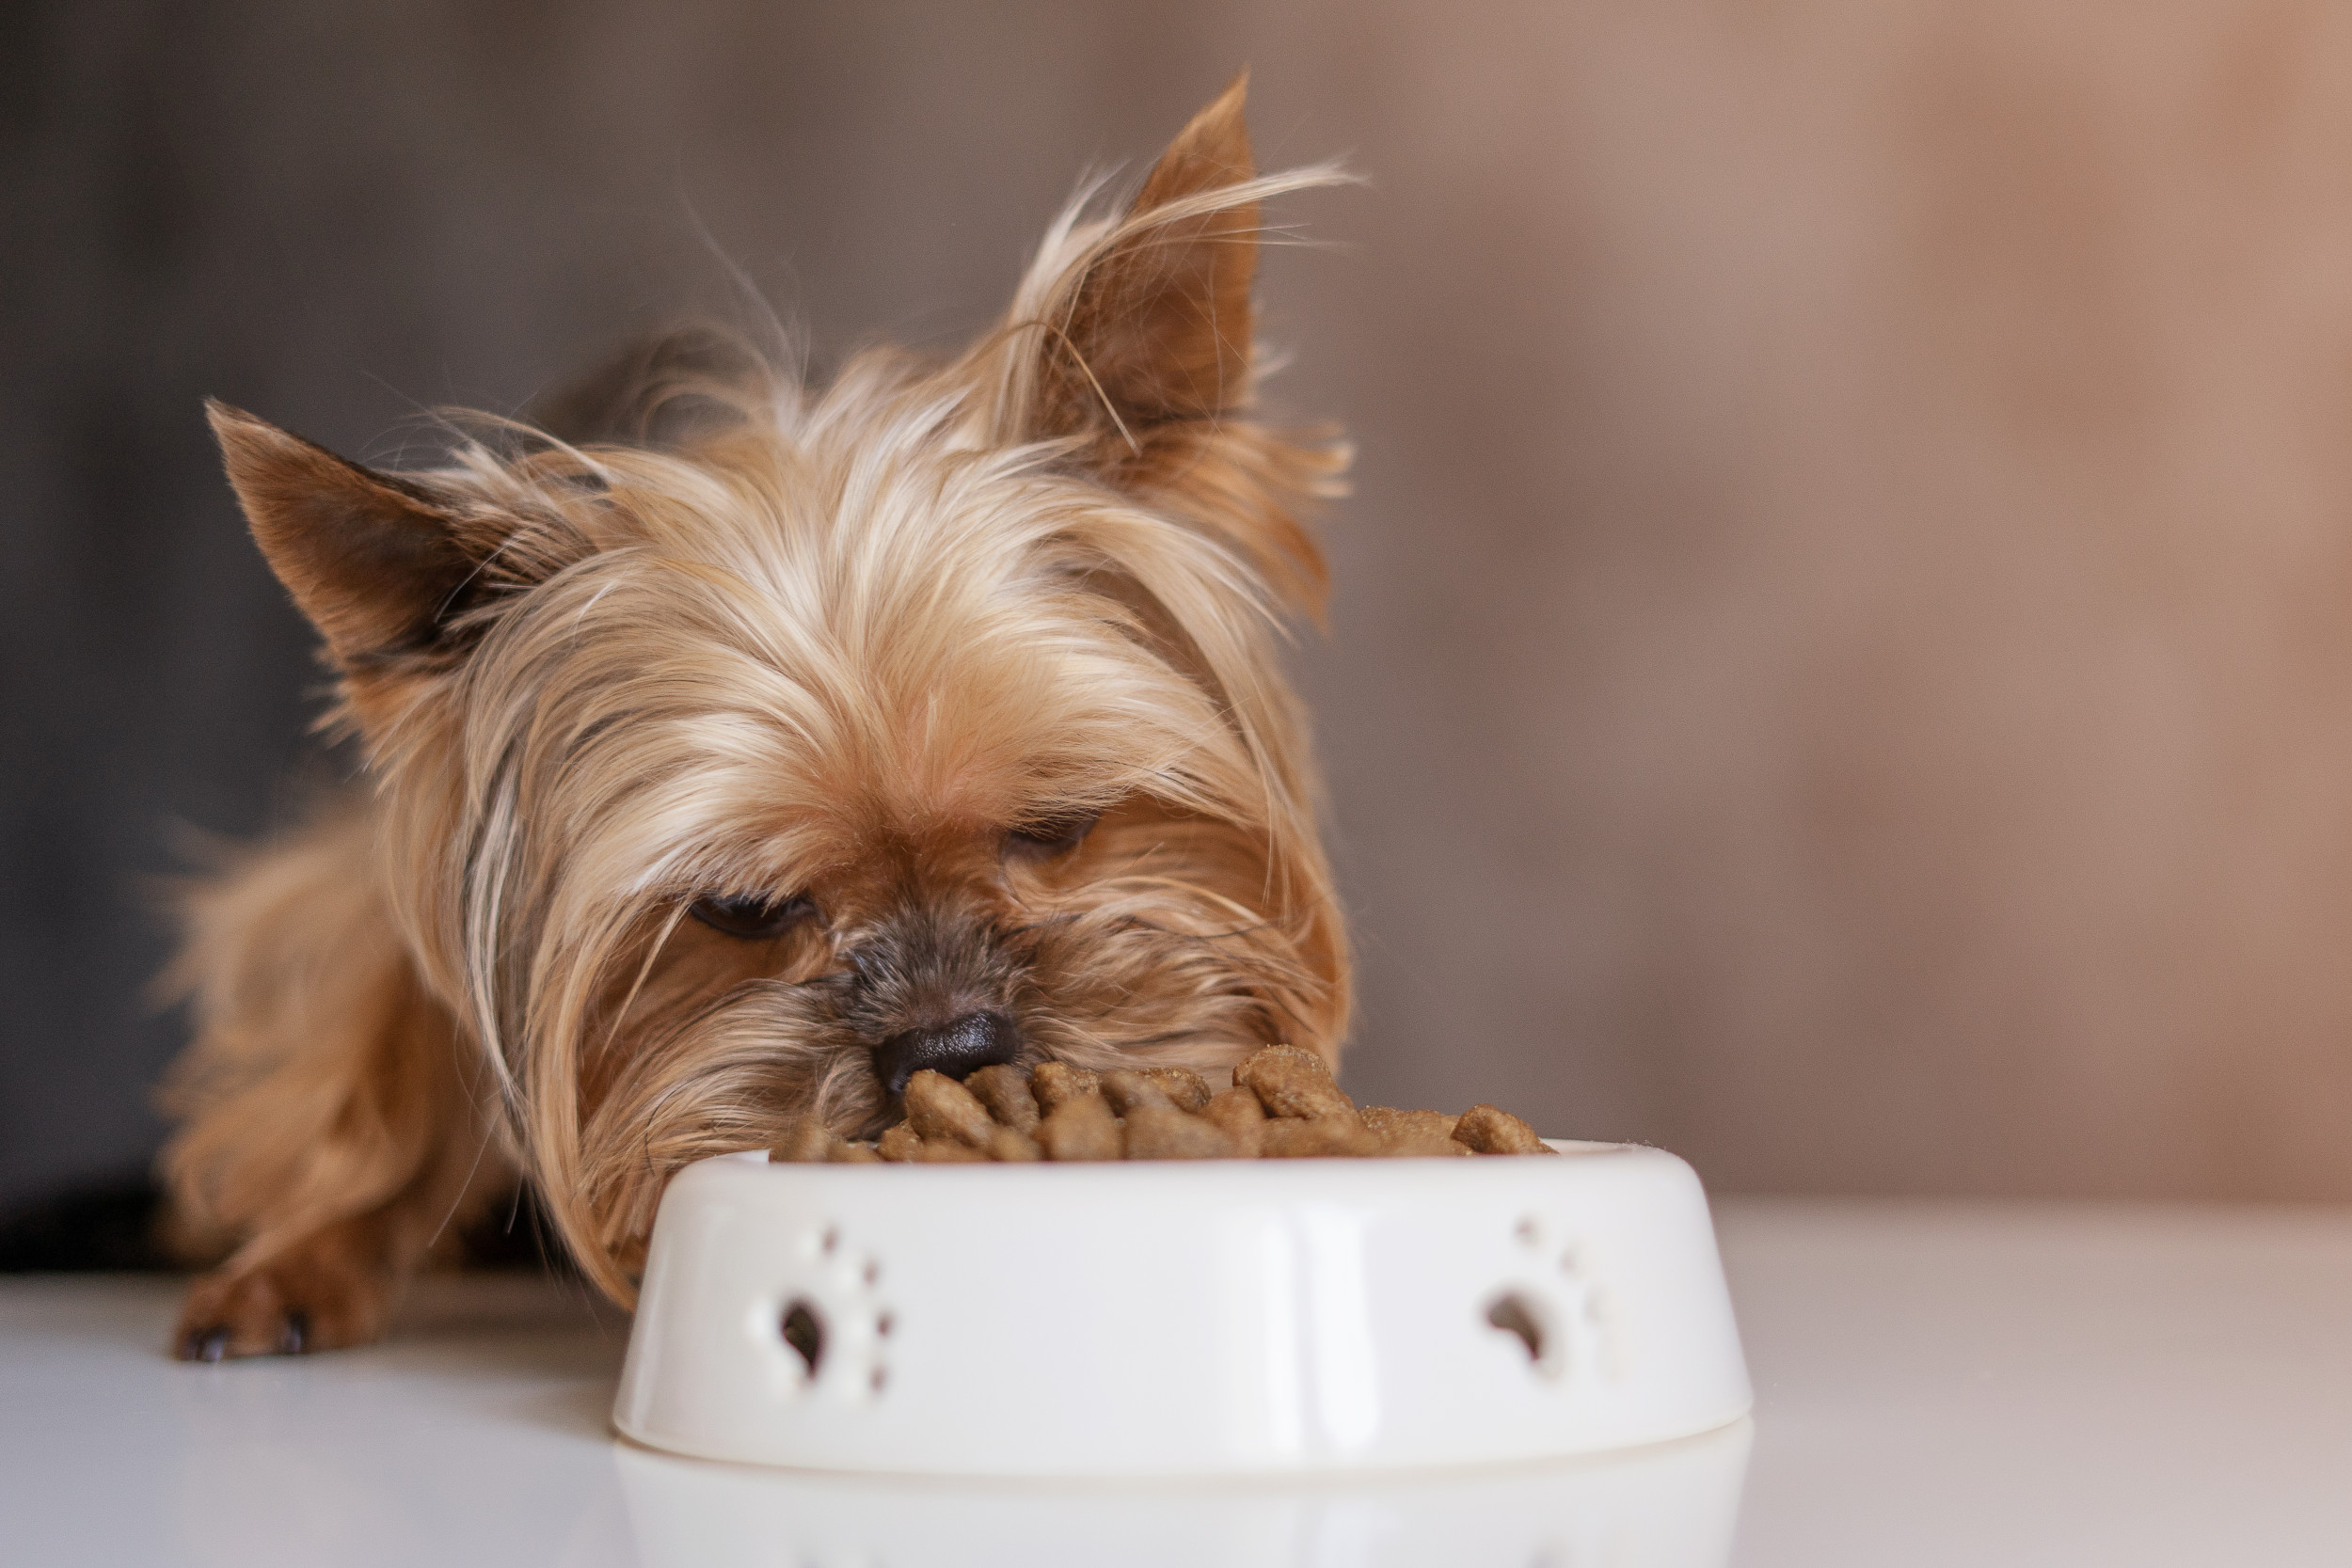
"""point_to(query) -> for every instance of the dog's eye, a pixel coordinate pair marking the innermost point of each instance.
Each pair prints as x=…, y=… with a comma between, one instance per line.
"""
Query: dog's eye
x=1056, y=836
x=753, y=916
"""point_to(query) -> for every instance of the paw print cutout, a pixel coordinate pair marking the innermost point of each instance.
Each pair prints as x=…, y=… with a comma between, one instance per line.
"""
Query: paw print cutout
x=1558, y=1311
x=830, y=1326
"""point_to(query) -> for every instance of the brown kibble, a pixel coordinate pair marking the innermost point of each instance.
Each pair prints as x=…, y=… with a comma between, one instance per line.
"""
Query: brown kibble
x=899, y=1144
x=1011, y=1146
x=1163, y=1132
x=1410, y=1143
x=1490, y=1130
x=1003, y=1089
x=1129, y=1091
x=940, y=1109
x=1080, y=1127
x=807, y=1140
x=1413, y=1135
x=1185, y=1089
x=1170, y=1114
x=1387, y=1122
x=1317, y=1138
x=1236, y=1113
x=1289, y=1081
x=1056, y=1082
x=1281, y=1051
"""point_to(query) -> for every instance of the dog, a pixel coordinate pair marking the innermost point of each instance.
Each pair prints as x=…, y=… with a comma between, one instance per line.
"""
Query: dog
x=735, y=768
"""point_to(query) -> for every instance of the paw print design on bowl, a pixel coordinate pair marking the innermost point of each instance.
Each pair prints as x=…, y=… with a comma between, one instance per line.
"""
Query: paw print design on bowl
x=828, y=1329
x=1559, y=1311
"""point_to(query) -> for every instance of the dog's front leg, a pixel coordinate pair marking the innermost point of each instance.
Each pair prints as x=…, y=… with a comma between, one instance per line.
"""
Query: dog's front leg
x=330, y=1288
x=311, y=1277
x=333, y=1128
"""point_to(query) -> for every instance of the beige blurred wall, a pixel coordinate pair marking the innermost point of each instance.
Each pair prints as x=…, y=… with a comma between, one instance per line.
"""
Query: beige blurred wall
x=1845, y=667
x=1841, y=662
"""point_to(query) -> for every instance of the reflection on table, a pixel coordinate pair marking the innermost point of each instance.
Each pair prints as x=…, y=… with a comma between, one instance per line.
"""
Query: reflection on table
x=1671, y=1506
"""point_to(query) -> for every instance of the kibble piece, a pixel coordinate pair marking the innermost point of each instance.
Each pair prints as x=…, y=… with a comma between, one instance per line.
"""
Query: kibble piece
x=1129, y=1091
x=1411, y=1143
x=1387, y=1122
x=1289, y=1081
x=1237, y=1114
x=1080, y=1127
x=948, y=1151
x=899, y=1142
x=1317, y=1138
x=940, y=1109
x=1490, y=1130
x=1055, y=1082
x=1163, y=1132
x=1412, y=1135
x=846, y=1153
x=1011, y=1145
x=806, y=1141
x=1185, y=1089
x=1003, y=1089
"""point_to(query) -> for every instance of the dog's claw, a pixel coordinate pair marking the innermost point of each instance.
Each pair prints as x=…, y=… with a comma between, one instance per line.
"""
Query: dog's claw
x=296, y=1331
x=205, y=1345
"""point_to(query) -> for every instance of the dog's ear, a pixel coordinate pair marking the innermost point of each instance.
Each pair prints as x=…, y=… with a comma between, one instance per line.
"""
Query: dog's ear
x=1133, y=337
x=378, y=563
x=1155, y=326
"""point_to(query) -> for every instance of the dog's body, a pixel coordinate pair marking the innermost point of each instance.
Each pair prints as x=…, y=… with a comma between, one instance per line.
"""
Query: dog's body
x=929, y=719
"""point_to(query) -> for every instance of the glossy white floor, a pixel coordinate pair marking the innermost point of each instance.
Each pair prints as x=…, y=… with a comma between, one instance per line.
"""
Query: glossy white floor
x=1937, y=1383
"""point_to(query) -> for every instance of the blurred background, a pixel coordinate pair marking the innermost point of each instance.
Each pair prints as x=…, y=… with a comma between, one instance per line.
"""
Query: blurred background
x=1841, y=662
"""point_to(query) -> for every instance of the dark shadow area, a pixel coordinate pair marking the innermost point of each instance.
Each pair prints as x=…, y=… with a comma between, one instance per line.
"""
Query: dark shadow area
x=114, y=1226
x=105, y=1226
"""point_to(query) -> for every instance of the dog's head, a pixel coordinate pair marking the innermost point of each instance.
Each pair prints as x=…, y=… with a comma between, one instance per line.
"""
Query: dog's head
x=931, y=719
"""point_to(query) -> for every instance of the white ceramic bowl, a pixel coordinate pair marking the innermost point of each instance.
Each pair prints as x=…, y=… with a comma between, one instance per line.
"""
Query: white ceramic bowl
x=1212, y=1317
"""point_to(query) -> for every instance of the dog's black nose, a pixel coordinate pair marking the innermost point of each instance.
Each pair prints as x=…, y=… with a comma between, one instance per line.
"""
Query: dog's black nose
x=960, y=1049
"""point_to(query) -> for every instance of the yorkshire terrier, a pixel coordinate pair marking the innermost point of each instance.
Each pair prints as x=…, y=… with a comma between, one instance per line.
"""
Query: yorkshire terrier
x=799, y=740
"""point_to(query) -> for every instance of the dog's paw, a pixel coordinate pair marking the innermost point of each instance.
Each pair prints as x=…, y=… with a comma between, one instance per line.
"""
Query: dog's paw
x=287, y=1306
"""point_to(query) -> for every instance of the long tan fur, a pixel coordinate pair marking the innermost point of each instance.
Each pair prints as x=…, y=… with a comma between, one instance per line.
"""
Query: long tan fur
x=845, y=645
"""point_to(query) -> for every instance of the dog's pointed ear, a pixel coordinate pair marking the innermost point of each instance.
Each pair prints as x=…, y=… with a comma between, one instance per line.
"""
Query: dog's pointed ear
x=1133, y=338
x=1152, y=323
x=378, y=563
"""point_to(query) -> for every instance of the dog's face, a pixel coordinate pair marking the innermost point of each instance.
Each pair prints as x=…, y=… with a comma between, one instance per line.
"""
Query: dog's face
x=929, y=719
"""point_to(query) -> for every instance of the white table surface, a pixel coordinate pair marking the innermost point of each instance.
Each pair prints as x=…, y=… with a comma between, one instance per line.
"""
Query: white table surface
x=1936, y=1384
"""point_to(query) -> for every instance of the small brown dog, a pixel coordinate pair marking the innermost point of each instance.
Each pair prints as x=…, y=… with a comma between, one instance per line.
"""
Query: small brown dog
x=931, y=719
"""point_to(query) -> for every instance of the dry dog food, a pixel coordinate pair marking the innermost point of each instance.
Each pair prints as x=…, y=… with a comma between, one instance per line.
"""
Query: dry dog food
x=1283, y=1104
